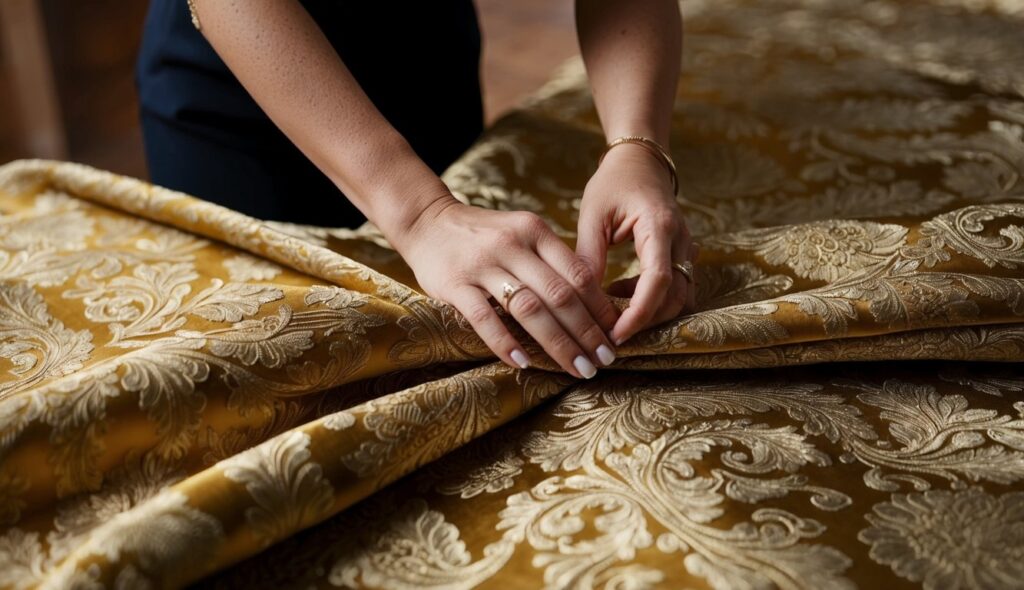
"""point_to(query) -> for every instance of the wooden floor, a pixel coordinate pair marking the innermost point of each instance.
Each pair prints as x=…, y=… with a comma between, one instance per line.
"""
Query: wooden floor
x=93, y=46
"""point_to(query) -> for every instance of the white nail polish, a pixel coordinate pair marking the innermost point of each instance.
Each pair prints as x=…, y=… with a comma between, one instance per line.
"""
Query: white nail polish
x=520, y=358
x=605, y=355
x=584, y=366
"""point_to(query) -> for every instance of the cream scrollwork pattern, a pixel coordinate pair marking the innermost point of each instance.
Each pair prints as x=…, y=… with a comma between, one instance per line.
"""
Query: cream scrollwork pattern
x=657, y=479
x=138, y=494
x=191, y=395
x=822, y=251
x=416, y=548
x=288, y=488
x=434, y=331
x=243, y=268
x=174, y=533
x=961, y=231
x=34, y=343
x=733, y=284
x=936, y=435
x=944, y=539
x=411, y=426
x=750, y=324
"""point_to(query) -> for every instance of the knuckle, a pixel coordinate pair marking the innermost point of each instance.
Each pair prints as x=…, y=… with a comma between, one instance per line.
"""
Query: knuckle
x=665, y=220
x=580, y=275
x=526, y=304
x=561, y=345
x=504, y=344
x=559, y=293
x=531, y=223
x=461, y=276
x=592, y=334
x=607, y=314
x=478, y=314
x=505, y=238
x=660, y=276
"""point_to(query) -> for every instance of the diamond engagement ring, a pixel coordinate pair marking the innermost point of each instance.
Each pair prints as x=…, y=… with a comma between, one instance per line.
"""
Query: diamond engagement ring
x=509, y=290
x=686, y=268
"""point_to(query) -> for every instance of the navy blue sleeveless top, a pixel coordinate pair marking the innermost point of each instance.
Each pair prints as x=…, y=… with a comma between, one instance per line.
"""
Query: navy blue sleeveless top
x=417, y=61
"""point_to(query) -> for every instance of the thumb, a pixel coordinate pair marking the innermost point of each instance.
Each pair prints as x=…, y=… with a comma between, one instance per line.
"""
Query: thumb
x=592, y=246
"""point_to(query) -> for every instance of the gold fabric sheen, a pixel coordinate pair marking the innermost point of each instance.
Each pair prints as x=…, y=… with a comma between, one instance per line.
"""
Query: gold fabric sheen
x=189, y=395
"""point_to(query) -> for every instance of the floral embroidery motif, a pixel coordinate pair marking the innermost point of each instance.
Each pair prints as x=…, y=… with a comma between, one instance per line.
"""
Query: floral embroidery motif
x=416, y=548
x=289, y=489
x=854, y=174
x=822, y=251
x=244, y=268
x=339, y=421
x=964, y=539
x=36, y=344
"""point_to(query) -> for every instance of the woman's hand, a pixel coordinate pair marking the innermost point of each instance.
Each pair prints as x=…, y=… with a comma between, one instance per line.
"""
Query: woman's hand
x=631, y=195
x=463, y=254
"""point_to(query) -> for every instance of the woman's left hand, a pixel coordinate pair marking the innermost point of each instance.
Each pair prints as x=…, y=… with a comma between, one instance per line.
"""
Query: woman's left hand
x=631, y=196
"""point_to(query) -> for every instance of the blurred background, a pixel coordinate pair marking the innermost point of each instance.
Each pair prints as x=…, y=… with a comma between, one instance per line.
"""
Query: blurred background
x=67, y=92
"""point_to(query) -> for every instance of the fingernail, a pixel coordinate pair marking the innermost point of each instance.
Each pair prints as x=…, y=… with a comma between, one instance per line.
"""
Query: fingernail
x=584, y=366
x=520, y=358
x=619, y=341
x=605, y=355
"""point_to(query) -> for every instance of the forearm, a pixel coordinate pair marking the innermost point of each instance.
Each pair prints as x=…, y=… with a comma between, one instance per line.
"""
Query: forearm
x=284, y=61
x=632, y=51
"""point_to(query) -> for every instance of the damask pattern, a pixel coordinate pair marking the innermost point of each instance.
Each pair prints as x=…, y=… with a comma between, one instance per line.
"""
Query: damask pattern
x=189, y=395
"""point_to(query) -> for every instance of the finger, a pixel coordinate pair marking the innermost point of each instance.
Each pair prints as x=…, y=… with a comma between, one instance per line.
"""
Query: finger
x=679, y=291
x=592, y=247
x=564, y=303
x=532, y=314
x=473, y=304
x=654, y=250
x=581, y=277
x=674, y=302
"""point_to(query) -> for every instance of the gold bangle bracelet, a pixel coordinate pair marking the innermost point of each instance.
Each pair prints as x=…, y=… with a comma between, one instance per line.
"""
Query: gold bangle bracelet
x=195, y=15
x=651, y=146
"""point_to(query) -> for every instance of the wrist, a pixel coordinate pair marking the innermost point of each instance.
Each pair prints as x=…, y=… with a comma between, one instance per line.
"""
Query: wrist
x=415, y=216
x=635, y=154
x=658, y=133
x=628, y=154
x=391, y=185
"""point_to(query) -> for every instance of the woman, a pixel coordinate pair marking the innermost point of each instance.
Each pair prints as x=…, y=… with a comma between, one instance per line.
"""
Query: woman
x=325, y=111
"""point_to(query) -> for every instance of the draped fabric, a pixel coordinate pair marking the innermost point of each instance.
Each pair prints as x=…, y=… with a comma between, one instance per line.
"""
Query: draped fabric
x=189, y=395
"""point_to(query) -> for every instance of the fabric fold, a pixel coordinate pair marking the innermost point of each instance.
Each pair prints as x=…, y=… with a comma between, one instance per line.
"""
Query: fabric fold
x=191, y=395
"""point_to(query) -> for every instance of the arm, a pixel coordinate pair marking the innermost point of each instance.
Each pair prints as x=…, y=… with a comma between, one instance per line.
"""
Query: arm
x=281, y=56
x=632, y=50
x=284, y=61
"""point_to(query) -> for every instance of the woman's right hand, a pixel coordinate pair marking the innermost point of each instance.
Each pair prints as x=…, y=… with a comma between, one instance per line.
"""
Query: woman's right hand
x=462, y=254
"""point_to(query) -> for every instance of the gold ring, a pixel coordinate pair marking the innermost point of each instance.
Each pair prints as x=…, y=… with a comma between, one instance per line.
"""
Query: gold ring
x=686, y=268
x=509, y=290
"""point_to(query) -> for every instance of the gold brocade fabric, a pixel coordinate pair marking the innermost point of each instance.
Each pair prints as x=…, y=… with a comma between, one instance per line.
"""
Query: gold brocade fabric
x=189, y=395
